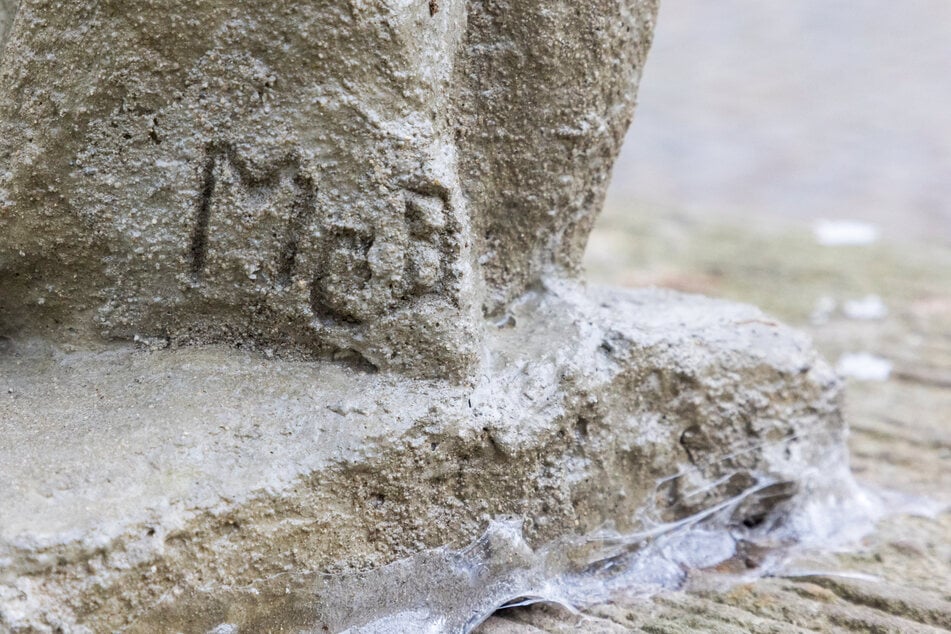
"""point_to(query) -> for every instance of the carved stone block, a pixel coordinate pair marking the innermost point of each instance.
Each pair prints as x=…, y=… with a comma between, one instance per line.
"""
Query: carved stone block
x=361, y=180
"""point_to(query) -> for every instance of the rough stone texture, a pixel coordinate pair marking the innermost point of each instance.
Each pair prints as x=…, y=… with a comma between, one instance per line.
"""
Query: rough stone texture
x=7, y=11
x=383, y=204
x=546, y=98
x=173, y=482
x=349, y=179
x=900, y=429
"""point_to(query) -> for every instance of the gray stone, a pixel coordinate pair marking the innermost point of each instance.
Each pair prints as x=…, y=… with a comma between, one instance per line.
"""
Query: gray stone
x=7, y=11
x=367, y=218
x=180, y=489
x=355, y=180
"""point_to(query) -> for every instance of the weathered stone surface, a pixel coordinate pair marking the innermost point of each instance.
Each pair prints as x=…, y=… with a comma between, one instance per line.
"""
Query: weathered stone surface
x=900, y=429
x=7, y=11
x=359, y=180
x=162, y=490
x=384, y=204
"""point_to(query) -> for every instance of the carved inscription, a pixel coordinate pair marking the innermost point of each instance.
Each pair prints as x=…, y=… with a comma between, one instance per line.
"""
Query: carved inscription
x=267, y=234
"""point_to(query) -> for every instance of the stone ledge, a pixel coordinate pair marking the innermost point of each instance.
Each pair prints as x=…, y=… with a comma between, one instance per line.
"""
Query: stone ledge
x=144, y=489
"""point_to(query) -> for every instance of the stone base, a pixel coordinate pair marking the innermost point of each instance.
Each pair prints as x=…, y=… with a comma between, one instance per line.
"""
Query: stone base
x=156, y=490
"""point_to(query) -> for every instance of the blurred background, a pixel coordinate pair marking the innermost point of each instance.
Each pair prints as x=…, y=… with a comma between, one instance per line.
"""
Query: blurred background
x=796, y=154
x=801, y=109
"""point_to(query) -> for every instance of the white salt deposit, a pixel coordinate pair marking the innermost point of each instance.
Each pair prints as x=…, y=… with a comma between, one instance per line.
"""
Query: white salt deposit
x=845, y=233
x=863, y=366
x=869, y=308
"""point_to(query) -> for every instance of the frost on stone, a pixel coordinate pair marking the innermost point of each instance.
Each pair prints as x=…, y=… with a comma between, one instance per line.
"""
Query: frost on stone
x=290, y=289
x=757, y=532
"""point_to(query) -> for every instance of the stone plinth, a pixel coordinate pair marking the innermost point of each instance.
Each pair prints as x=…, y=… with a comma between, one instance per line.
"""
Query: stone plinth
x=149, y=489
